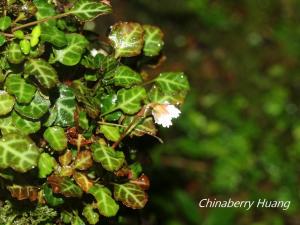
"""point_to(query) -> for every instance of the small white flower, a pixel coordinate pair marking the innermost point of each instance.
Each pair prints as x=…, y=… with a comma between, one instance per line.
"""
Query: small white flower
x=164, y=113
x=94, y=52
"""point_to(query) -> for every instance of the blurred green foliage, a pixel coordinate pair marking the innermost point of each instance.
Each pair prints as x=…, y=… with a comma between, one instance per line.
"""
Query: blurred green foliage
x=239, y=134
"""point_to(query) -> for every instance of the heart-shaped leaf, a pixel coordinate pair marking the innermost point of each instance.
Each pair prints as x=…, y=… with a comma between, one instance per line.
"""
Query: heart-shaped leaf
x=24, y=192
x=156, y=95
x=17, y=86
x=24, y=125
x=81, y=179
x=5, y=23
x=42, y=71
x=129, y=101
x=36, y=109
x=130, y=195
x=64, y=185
x=66, y=106
x=172, y=82
x=126, y=77
x=7, y=103
x=46, y=165
x=18, y=152
x=88, y=10
x=110, y=159
x=112, y=133
x=153, y=40
x=71, y=54
x=91, y=216
x=127, y=39
x=14, y=53
x=84, y=160
x=7, y=126
x=56, y=138
x=105, y=203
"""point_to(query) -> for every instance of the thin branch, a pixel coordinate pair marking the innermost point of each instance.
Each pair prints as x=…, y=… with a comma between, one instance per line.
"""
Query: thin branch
x=41, y=21
x=139, y=130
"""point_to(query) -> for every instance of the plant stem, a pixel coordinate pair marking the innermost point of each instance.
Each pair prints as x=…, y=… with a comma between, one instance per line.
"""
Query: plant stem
x=139, y=130
x=41, y=21
x=133, y=123
x=7, y=35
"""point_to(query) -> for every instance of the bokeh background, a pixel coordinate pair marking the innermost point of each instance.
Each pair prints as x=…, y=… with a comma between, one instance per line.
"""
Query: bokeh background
x=239, y=133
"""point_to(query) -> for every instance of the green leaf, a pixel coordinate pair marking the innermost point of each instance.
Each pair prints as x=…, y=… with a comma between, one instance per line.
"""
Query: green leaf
x=129, y=101
x=50, y=198
x=127, y=39
x=145, y=126
x=88, y=10
x=156, y=95
x=110, y=159
x=172, y=82
x=71, y=55
x=112, y=133
x=25, y=126
x=108, y=103
x=76, y=220
x=153, y=40
x=101, y=62
x=7, y=103
x=18, y=152
x=69, y=188
x=18, y=87
x=66, y=106
x=36, y=108
x=56, y=138
x=2, y=40
x=83, y=120
x=52, y=117
x=91, y=216
x=7, y=126
x=53, y=35
x=42, y=71
x=131, y=195
x=46, y=165
x=14, y=53
x=126, y=77
x=5, y=23
x=50, y=33
x=107, y=206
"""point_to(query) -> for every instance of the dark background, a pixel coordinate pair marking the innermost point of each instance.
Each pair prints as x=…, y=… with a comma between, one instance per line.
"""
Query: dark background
x=239, y=133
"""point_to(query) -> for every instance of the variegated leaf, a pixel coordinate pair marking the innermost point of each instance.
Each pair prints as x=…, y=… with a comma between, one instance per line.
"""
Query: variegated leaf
x=81, y=179
x=66, y=106
x=18, y=152
x=112, y=133
x=110, y=159
x=25, y=126
x=71, y=54
x=129, y=101
x=7, y=126
x=84, y=160
x=14, y=53
x=130, y=195
x=88, y=9
x=7, y=103
x=46, y=165
x=17, y=86
x=127, y=39
x=36, y=108
x=172, y=82
x=42, y=71
x=24, y=192
x=56, y=138
x=107, y=206
x=153, y=40
x=91, y=216
x=126, y=77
